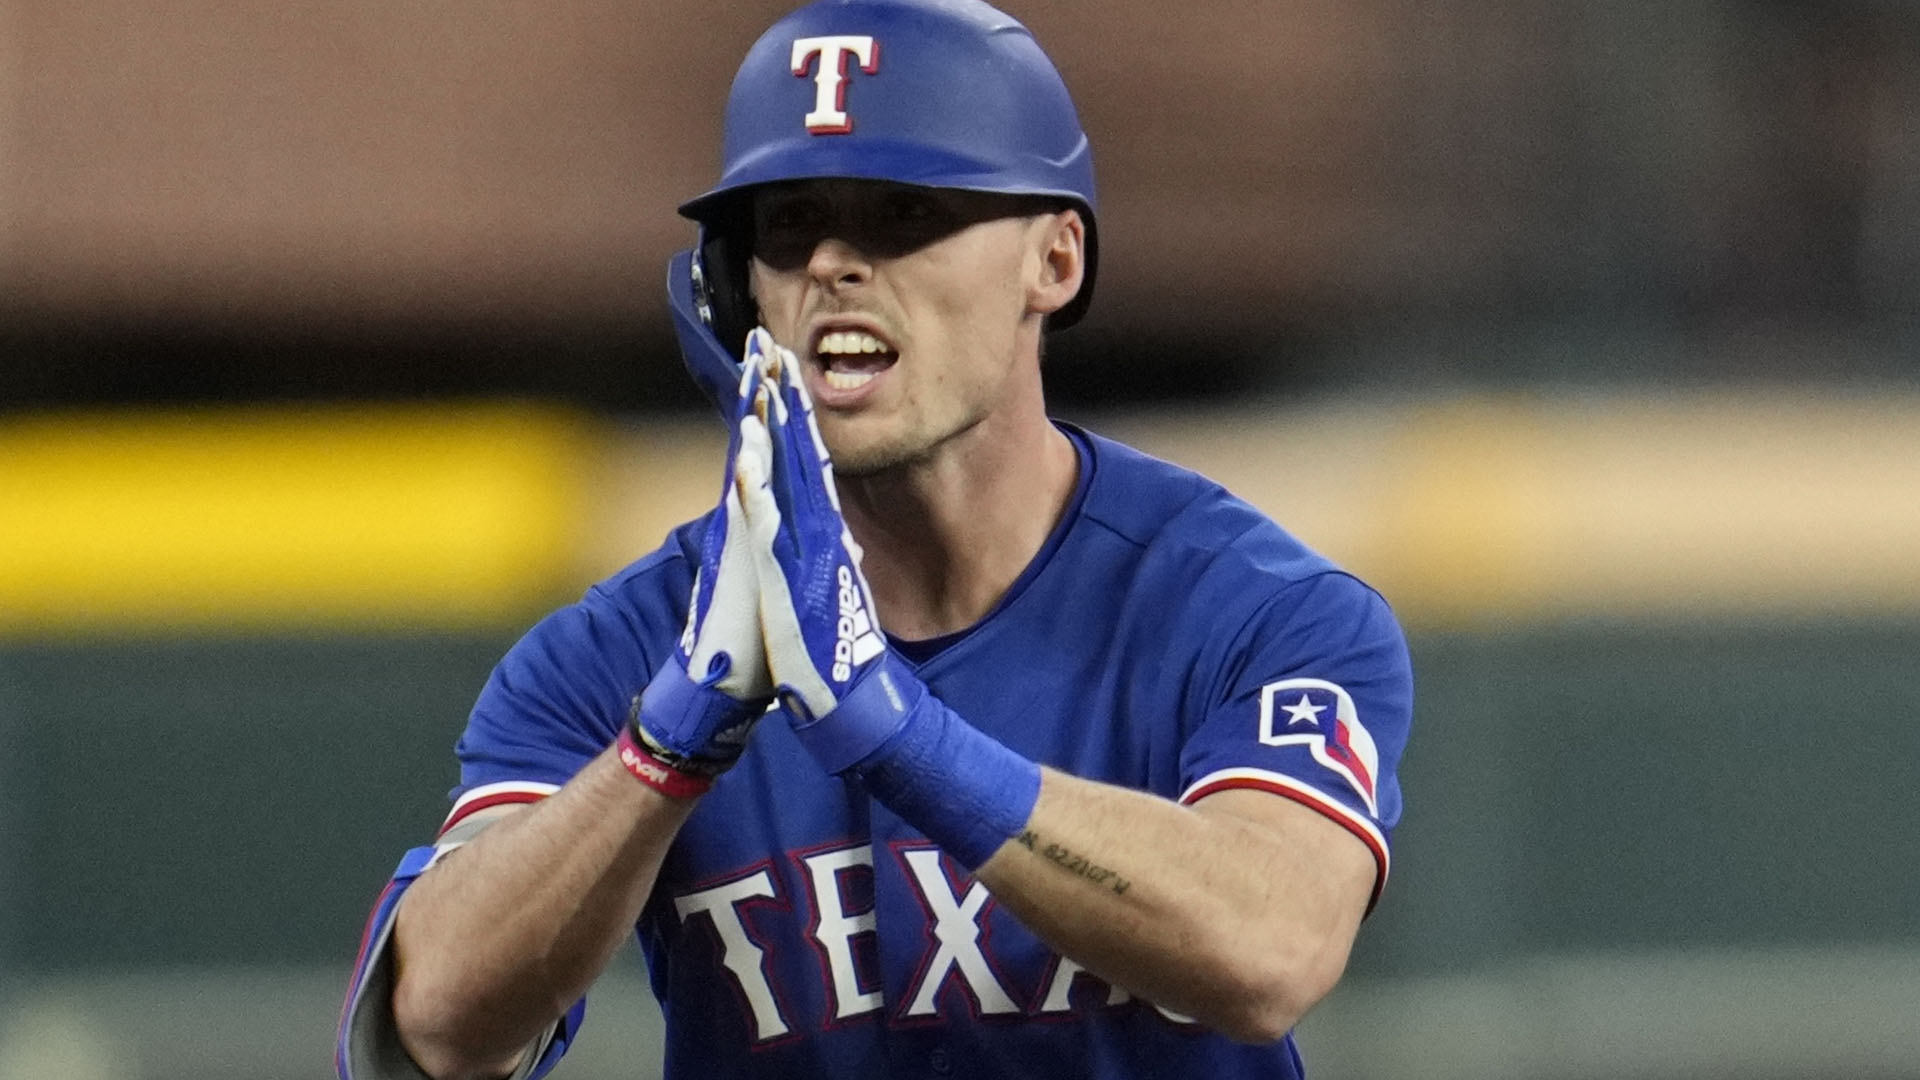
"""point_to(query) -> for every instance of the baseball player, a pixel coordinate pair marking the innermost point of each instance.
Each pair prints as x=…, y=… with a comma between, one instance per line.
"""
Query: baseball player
x=954, y=739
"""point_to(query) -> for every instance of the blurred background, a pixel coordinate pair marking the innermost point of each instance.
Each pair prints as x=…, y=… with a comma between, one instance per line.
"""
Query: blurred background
x=333, y=352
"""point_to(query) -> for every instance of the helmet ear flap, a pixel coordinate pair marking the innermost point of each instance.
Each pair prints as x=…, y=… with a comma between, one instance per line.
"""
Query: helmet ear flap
x=720, y=283
x=712, y=313
x=709, y=319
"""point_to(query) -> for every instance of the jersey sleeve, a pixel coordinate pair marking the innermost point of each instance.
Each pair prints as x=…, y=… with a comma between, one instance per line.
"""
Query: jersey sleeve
x=556, y=700
x=367, y=1045
x=1312, y=702
x=552, y=704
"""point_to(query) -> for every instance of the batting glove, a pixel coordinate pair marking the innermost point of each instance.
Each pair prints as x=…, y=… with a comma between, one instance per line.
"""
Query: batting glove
x=823, y=646
x=855, y=705
x=691, y=722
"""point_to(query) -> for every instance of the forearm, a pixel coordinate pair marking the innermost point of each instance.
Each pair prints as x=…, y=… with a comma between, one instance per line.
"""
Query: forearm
x=1241, y=924
x=1238, y=912
x=497, y=940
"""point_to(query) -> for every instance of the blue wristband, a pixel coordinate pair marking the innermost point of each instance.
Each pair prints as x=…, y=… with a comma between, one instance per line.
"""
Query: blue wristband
x=693, y=726
x=962, y=787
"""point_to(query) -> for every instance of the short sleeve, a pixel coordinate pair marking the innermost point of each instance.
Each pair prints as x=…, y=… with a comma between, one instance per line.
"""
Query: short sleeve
x=1312, y=702
x=551, y=705
x=557, y=699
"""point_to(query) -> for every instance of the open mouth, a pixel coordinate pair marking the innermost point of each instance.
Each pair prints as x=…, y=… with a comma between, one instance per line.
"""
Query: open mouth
x=850, y=359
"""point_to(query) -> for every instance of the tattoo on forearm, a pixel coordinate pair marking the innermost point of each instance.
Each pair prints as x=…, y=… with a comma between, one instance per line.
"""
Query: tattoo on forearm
x=1073, y=862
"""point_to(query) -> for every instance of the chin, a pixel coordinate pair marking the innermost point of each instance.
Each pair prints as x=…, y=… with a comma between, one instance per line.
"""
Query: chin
x=865, y=459
x=870, y=445
x=862, y=453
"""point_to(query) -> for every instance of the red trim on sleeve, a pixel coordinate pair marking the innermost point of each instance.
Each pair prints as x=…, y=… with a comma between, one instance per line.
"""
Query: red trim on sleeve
x=366, y=936
x=1340, y=815
x=499, y=798
x=360, y=956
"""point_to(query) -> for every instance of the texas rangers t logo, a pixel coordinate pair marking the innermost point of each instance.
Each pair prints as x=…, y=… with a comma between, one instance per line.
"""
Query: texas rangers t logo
x=829, y=115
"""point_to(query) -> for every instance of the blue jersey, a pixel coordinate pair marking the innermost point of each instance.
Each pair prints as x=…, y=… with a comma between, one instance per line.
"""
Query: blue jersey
x=1167, y=638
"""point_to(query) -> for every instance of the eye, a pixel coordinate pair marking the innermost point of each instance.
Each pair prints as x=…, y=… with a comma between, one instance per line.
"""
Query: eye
x=788, y=215
x=914, y=208
x=787, y=226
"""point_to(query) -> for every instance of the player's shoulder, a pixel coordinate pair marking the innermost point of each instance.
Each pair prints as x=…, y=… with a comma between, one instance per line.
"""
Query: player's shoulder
x=641, y=601
x=1218, y=563
x=558, y=695
x=1179, y=514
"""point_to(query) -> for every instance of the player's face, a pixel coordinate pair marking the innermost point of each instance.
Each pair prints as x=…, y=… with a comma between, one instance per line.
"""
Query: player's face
x=906, y=305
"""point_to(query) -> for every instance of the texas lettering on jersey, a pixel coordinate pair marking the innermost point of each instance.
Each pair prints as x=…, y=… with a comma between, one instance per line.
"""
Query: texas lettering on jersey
x=843, y=929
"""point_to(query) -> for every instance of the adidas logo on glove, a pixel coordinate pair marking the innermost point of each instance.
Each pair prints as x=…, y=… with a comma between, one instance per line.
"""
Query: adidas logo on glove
x=858, y=641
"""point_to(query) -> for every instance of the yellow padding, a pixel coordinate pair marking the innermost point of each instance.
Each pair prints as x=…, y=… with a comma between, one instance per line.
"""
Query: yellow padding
x=1636, y=505
x=435, y=516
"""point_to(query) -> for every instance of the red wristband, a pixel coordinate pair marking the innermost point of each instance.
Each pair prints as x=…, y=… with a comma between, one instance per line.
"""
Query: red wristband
x=657, y=774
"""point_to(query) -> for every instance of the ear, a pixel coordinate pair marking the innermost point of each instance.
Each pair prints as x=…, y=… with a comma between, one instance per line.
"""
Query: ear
x=1062, y=241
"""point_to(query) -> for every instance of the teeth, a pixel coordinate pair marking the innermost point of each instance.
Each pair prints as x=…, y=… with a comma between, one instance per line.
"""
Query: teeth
x=848, y=380
x=851, y=342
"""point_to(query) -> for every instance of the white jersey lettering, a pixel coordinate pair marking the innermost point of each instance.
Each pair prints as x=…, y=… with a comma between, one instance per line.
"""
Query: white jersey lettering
x=738, y=953
x=956, y=927
x=836, y=929
x=1178, y=1018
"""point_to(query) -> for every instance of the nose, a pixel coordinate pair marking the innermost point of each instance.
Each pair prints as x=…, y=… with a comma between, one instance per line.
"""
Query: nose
x=836, y=263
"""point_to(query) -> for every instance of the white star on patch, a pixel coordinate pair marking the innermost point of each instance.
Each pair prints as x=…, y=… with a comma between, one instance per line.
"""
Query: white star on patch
x=1303, y=712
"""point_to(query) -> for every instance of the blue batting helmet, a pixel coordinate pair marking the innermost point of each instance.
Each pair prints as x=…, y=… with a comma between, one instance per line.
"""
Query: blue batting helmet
x=937, y=93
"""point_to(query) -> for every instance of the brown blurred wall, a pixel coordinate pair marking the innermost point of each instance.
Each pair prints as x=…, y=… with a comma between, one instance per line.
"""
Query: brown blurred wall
x=402, y=158
x=392, y=159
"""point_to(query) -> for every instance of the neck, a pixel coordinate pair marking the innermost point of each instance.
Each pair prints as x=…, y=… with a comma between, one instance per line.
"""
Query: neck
x=946, y=538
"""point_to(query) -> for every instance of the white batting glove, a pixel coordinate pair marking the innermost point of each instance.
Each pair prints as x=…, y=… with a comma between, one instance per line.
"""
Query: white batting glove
x=824, y=645
x=692, y=721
